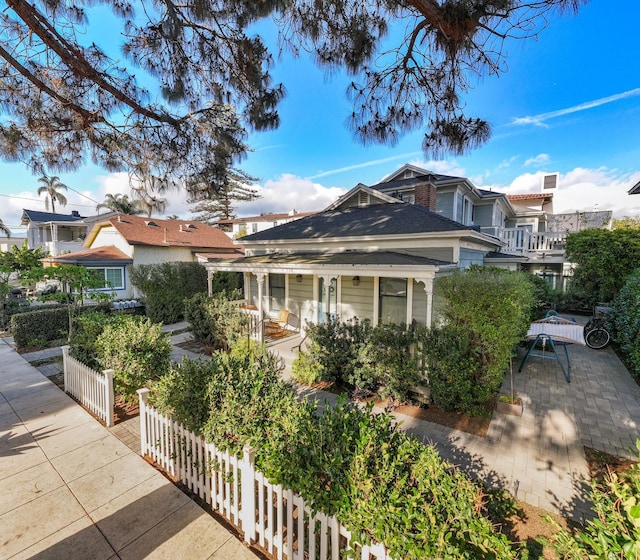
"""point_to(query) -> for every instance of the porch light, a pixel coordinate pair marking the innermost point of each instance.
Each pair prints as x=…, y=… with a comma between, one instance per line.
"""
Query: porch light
x=356, y=280
x=298, y=277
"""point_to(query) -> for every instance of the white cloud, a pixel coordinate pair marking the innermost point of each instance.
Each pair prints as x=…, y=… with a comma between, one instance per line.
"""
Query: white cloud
x=362, y=165
x=442, y=167
x=538, y=120
x=540, y=159
x=289, y=192
x=583, y=189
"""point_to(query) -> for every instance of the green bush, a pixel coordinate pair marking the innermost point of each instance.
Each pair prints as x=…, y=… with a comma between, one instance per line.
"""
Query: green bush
x=488, y=312
x=87, y=327
x=138, y=352
x=625, y=322
x=166, y=286
x=184, y=392
x=8, y=308
x=615, y=530
x=40, y=326
x=453, y=372
x=215, y=320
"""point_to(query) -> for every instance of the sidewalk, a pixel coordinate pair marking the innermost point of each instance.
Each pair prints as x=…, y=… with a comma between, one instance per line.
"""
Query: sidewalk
x=71, y=489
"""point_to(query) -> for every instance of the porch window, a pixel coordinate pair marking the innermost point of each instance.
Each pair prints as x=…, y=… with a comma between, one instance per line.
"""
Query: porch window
x=393, y=300
x=109, y=277
x=276, y=291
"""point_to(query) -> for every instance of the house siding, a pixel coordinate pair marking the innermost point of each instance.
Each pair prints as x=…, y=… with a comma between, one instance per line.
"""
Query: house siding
x=300, y=300
x=357, y=301
x=469, y=257
x=483, y=215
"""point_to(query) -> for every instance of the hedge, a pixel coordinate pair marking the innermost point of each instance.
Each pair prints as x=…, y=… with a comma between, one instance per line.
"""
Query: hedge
x=40, y=326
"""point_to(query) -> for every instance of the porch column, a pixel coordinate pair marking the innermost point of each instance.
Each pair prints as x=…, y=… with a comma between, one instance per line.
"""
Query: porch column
x=376, y=301
x=409, y=301
x=246, y=287
x=210, y=282
x=260, y=279
x=428, y=288
x=327, y=296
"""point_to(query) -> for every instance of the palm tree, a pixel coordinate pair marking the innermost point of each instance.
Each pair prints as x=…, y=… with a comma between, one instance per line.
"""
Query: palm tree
x=120, y=203
x=5, y=229
x=50, y=188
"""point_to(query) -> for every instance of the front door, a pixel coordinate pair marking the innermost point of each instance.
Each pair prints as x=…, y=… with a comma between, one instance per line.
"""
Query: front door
x=332, y=305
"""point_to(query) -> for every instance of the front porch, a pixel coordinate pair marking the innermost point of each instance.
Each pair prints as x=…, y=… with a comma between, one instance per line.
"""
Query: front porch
x=379, y=287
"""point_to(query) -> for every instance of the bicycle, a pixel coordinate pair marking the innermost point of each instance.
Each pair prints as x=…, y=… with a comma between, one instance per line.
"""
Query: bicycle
x=596, y=336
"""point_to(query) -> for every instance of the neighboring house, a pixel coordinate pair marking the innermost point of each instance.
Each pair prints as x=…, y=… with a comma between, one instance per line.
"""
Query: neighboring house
x=635, y=189
x=8, y=243
x=57, y=233
x=239, y=227
x=532, y=234
x=375, y=253
x=121, y=240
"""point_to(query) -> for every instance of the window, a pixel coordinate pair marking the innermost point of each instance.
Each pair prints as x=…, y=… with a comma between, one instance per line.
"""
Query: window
x=276, y=291
x=393, y=300
x=254, y=227
x=109, y=277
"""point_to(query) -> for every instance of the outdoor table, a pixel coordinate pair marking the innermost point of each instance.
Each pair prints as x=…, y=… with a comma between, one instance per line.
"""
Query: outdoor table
x=555, y=331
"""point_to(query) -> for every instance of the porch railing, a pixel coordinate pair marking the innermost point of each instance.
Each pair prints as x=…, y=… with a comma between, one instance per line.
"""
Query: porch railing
x=520, y=241
x=275, y=518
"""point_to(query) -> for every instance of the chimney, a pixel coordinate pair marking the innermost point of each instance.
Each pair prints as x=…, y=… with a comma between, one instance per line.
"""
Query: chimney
x=425, y=194
x=75, y=213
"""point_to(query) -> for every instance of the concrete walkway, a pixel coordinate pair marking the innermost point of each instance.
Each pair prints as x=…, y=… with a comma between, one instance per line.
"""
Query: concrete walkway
x=70, y=489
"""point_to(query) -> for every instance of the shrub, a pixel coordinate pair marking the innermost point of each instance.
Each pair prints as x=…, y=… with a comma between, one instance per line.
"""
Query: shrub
x=215, y=320
x=453, y=371
x=625, y=322
x=184, y=392
x=88, y=326
x=138, y=352
x=40, y=326
x=487, y=313
x=615, y=530
x=386, y=361
x=166, y=286
x=8, y=308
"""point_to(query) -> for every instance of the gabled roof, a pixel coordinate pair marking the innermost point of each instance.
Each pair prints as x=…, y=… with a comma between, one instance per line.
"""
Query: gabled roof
x=37, y=216
x=376, y=220
x=635, y=189
x=136, y=230
x=344, y=199
x=99, y=255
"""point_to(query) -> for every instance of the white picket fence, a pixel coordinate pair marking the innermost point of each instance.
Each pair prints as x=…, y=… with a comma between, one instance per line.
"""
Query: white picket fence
x=93, y=389
x=267, y=514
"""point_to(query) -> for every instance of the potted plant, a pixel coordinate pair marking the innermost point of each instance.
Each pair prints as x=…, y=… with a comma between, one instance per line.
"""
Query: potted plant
x=510, y=404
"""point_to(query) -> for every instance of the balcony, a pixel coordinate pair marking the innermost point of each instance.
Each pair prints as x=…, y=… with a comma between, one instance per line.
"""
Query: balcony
x=56, y=248
x=521, y=242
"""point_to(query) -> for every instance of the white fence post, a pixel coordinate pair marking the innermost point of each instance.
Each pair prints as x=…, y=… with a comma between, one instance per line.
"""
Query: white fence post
x=248, y=511
x=65, y=363
x=109, y=397
x=143, y=395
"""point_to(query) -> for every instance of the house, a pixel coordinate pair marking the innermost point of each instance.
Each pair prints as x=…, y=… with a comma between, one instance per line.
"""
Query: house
x=239, y=227
x=533, y=235
x=635, y=189
x=375, y=252
x=369, y=255
x=57, y=233
x=120, y=241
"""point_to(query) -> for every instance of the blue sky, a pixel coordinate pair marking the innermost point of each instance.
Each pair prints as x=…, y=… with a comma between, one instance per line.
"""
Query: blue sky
x=570, y=103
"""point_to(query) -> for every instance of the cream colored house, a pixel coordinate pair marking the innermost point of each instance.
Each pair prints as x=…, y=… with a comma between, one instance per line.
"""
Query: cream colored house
x=114, y=244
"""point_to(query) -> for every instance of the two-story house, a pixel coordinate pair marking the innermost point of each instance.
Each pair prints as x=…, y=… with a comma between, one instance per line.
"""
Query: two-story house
x=375, y=253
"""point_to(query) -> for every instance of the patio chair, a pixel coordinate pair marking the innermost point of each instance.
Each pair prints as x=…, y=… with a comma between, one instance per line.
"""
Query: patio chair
x=278, y=326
